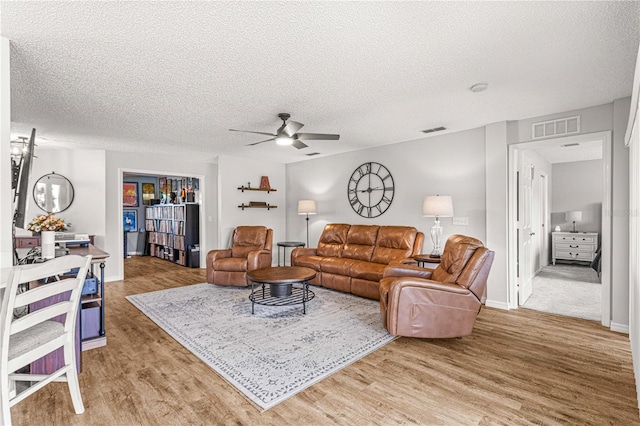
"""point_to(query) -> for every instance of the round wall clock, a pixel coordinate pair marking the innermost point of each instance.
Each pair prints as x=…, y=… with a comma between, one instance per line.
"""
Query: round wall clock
x=370, y=189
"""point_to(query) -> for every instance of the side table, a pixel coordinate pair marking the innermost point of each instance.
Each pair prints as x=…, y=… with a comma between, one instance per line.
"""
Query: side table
x=284, y=245
x=426, y=258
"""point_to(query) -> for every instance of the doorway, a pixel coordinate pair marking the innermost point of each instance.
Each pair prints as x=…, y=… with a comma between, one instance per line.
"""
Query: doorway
x=516, y=226
x=125, y=175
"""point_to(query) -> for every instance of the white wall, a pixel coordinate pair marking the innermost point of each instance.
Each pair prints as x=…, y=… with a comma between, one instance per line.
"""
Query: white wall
x=151, y=163
x=85, y=170
x=449, y=164
x=6, y=200
x=234, y=172
x=495, y=162
x=632, y=139
x=620, y=219
x=577, y=186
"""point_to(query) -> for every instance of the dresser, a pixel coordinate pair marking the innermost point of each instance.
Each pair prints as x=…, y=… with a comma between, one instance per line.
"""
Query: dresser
x=580, y=246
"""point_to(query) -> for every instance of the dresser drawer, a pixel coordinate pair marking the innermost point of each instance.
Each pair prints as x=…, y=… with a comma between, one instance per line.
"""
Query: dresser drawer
x=575, y=247
x=581, y=239
x=575, y=255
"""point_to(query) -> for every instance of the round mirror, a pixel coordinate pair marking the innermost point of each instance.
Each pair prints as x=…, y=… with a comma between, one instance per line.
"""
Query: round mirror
x=53, y=193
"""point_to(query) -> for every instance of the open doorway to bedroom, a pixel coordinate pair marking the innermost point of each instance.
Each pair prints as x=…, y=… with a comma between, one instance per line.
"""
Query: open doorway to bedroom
x=552, y=183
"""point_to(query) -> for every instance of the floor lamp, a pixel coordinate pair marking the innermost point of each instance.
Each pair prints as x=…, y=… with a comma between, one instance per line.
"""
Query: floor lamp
x=307, y=207
x=437, y=206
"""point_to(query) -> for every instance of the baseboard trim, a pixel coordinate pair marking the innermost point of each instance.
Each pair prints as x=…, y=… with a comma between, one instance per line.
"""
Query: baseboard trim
x=619, y=328
x=497, y=305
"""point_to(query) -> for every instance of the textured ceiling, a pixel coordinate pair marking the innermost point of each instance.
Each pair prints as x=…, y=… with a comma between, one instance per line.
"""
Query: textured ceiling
x=175, y=76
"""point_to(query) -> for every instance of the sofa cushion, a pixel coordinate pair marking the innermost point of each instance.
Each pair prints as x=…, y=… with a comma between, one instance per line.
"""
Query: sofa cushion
x=332, y=239
x=312, y=262
x=394, y=243
x=457, y=252
x=230, y=264
x=367, y=270
x=336, y=265
x=361, y=240
x=247, y=239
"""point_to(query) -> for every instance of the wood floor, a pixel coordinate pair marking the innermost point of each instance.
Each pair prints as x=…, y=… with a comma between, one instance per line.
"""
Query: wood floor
x=519, y=367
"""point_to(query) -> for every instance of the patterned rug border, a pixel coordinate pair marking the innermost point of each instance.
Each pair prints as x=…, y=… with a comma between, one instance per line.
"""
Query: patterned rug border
x=219, y=366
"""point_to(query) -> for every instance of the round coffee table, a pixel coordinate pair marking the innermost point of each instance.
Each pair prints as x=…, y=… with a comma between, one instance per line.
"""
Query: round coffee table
x=282, y=291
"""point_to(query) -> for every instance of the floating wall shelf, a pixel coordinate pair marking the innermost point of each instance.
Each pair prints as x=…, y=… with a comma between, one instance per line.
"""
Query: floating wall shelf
x=246, y=188
x=247, y=206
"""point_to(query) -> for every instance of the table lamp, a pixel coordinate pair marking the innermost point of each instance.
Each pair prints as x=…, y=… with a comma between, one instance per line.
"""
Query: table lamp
x=573, y=216
x=307, y=207
x=437, y=206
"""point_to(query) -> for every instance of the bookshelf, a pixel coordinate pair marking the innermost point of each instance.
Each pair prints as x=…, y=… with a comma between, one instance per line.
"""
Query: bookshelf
x=174, y=231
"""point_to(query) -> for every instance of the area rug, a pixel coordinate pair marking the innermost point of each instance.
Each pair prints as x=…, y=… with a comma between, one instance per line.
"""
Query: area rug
x=278, y=351
x=570, y=290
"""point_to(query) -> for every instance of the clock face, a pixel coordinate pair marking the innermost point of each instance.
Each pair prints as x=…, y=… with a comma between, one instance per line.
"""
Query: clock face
x=370, y=189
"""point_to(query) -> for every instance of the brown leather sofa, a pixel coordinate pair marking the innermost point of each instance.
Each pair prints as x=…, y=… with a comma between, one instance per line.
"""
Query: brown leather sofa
x=352, y=258
x=251, y=249
x=441, y=302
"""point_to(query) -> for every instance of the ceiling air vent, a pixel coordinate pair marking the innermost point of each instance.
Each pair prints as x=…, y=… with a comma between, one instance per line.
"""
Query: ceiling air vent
x=435, y=129
x=312, y=154
x=562, y=126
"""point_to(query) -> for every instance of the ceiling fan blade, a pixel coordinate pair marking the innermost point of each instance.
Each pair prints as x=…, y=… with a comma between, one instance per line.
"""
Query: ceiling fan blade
x=249, y=131
x=317, y=136
x=256, y=143
x=298, y=144
x=292, y=127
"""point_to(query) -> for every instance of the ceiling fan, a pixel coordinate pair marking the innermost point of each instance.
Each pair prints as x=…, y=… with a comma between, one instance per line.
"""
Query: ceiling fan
x=287, y=134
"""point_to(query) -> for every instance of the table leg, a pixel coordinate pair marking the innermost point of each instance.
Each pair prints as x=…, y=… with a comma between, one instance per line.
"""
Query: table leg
x=305, y=295
x=102, y=333
x=253, y=298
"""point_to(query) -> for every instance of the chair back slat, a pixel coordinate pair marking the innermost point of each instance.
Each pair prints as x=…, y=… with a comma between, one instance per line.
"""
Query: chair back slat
x=41, y=315
x=45, y=291
x=57, y=266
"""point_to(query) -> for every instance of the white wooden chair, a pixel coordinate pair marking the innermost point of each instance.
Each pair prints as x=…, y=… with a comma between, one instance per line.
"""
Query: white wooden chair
x=30, y=337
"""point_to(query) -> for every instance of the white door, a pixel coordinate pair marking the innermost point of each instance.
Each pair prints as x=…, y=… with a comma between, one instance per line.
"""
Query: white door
x=544, y=234
x=525, y=228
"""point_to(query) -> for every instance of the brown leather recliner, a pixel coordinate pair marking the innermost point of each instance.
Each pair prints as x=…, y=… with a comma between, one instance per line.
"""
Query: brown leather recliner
x=441, y=302
x=251, y=250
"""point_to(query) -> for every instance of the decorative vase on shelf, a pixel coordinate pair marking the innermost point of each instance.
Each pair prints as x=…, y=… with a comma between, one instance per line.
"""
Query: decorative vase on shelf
x=48, y=243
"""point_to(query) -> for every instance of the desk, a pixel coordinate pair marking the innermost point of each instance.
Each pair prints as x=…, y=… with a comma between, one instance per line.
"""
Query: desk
x=284, y=245
x=98, y=257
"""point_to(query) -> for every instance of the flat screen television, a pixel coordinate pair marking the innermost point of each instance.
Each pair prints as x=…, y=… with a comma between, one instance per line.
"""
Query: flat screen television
x=21, y=194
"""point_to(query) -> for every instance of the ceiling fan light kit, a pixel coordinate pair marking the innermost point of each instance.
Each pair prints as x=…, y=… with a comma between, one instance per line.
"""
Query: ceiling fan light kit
x=288, y=134
x=284, y=140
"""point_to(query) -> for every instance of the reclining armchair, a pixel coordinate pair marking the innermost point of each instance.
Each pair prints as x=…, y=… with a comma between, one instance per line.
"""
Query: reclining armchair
x=437, y=303
x=251, y=249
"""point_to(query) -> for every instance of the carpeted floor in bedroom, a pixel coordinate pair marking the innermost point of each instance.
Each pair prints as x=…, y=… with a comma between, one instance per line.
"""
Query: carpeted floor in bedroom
x=567, y=289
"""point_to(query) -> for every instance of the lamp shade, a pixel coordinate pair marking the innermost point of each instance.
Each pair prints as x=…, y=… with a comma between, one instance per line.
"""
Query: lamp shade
x=307, y=207
x=437, y=206
x=573, y=216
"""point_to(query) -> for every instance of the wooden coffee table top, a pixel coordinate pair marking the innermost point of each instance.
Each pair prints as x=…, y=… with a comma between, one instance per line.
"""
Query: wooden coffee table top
x=281, y=275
